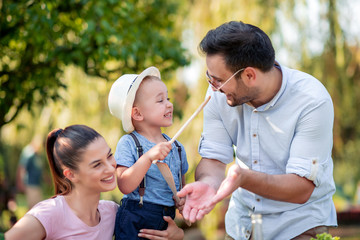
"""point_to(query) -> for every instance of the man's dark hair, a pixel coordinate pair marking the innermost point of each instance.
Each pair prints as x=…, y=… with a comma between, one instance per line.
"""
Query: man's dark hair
x=241, y=45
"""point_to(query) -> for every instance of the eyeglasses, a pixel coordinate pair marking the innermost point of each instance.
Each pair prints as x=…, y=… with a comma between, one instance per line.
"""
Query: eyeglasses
x=216, y=84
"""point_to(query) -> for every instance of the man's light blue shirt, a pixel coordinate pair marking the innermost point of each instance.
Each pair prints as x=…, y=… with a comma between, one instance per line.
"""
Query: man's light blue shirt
x=157, y=190
x=291, y=134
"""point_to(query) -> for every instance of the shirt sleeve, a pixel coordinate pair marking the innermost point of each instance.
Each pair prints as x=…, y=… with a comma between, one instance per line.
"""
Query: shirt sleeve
x=47, y=212
x=108, y=209
x=125, y=153
x=310, y=153
x=215, y=142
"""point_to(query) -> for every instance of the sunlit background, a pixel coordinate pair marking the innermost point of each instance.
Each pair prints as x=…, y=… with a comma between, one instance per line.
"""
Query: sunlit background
x=59, y=58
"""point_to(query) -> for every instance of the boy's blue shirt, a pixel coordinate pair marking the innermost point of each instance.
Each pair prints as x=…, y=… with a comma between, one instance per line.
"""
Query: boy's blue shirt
x=157, y=190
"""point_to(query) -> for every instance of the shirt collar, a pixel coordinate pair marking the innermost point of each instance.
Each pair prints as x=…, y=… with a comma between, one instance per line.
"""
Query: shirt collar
x=279, y=93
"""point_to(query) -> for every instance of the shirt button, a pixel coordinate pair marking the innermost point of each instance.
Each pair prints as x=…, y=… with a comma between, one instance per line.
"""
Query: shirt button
x=254, y=135
x=258, y=199
x=255, y=162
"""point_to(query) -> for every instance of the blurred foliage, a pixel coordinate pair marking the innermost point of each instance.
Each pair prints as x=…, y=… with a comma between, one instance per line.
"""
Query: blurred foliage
x=40, y=39
x=104, y=38
x=324, y=236
x=335, y=61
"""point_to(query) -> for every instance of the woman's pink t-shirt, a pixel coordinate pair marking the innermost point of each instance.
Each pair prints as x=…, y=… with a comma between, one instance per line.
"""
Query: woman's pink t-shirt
x=60, y=222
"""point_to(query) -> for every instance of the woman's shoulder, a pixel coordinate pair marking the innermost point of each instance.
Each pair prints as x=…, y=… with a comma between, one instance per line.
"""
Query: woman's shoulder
x=55, y=203
x=49, y=211
x=108, y=210
x=107, y=205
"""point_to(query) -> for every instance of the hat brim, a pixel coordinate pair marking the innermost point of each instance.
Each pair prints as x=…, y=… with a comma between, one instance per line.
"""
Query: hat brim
x=129, y=102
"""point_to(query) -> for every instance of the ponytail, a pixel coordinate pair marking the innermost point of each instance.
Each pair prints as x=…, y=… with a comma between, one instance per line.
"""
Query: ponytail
x=64, y=148
x=61, y=184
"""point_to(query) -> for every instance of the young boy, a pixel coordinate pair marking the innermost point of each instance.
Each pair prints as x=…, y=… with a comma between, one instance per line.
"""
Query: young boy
x=141, y=102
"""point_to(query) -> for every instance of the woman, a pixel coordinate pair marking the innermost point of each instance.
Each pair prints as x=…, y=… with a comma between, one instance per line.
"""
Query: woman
x=82, y=167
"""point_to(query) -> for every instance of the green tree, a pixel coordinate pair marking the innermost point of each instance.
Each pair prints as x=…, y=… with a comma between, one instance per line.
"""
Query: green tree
x=341, y=73
x=335, y=62
x=104, y=38
x=39, y=39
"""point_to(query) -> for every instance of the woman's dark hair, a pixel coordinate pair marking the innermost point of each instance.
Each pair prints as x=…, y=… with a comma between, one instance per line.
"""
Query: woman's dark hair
x=241, y=45
x=64, y=148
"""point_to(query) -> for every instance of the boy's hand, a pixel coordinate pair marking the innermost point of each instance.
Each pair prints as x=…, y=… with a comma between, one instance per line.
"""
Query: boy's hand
x=159, y=151
x=180, y=205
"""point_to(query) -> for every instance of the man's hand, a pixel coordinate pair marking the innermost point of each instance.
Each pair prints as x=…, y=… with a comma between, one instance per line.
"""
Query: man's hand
x=198, y=195
x=227, y=187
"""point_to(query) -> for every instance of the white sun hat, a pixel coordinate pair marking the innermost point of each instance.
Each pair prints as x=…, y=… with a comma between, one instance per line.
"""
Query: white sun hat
x=122, y=95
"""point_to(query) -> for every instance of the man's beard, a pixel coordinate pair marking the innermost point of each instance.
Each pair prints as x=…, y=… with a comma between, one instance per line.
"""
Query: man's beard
x=237, y=101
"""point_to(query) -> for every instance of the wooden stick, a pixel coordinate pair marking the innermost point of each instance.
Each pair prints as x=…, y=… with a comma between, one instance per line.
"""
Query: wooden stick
x=190, y=119
x=164, y=168
x=165, y=171
x=198, y=110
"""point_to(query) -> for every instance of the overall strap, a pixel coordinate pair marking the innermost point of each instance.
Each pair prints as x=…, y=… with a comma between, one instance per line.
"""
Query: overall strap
x=180, y=171
x=140, y=152
x=179, y=151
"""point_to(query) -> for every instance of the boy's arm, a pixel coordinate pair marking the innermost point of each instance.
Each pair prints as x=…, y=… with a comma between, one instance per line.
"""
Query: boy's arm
x=128, y=179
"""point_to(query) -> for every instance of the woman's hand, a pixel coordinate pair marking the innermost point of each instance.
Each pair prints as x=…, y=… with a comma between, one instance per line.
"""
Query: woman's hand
x=173, y=232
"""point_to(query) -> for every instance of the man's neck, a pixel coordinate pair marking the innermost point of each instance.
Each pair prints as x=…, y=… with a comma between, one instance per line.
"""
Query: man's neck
x=270, y=85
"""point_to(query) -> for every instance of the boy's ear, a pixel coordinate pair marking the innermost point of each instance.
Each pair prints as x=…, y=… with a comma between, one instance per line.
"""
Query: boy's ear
x=136, y=114
x=69, y=174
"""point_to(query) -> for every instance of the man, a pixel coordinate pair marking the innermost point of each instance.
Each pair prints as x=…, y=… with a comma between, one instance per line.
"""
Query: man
x=278, y=122
x=29, y=172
